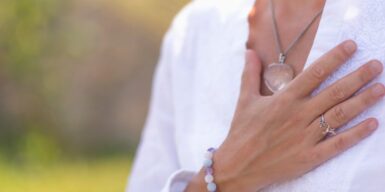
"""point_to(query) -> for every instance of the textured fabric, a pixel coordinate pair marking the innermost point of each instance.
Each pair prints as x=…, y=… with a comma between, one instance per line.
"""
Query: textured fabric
x=197, y=84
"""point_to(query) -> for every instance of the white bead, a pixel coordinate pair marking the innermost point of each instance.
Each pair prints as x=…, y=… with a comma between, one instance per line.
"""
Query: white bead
x=211, y=187
x=209, y=178
x=208, y=155
x=207, y=163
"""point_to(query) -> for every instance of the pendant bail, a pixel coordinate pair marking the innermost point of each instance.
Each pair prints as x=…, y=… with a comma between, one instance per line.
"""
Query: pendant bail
x=282, y=58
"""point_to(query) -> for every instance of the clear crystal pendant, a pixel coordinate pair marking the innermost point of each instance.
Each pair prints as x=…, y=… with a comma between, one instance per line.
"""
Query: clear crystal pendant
x=278, y=75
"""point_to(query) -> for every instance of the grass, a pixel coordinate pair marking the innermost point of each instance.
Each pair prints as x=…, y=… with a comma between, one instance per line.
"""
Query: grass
x=108, y=175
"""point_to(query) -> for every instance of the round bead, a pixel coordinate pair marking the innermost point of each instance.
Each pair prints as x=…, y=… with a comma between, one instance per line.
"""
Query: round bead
x=211, y=187
x=207, y=163
x=209, y=178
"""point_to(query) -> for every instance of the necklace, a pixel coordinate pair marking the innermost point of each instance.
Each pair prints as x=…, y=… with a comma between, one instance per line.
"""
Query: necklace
x=278, y=75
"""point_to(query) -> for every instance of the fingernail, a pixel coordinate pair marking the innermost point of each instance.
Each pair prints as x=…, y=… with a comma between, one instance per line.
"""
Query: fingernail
x=379, y=90
x=350, y=46
x=375, y=67
x=373, y=125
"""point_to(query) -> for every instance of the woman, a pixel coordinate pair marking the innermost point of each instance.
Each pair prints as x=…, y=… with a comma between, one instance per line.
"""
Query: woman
x=297, y=139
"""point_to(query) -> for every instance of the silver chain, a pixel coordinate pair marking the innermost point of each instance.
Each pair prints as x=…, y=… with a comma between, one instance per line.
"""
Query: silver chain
x=278, y=42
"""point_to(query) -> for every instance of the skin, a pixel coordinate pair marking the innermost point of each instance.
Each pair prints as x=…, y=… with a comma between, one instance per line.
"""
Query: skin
x=275, y=138
x=291, y=21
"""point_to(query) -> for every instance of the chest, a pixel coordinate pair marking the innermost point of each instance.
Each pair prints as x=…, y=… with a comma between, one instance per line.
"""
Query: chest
x=292, y=32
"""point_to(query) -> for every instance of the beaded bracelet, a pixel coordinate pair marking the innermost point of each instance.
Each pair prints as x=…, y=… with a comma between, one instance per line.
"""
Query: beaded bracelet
x=208, y=165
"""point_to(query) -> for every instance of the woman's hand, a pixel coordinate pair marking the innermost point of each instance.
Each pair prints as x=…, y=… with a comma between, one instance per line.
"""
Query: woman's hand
x=277, y=138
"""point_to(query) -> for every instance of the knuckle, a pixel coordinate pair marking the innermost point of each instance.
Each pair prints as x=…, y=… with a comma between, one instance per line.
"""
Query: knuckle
x=340, y=144
x=339, y=115
x=365, y=75
x=290, y=91
x=368, y=100
x=337, y=93
x=251, y=16
x=317, y=72
x=341, y=55
x=249, y=44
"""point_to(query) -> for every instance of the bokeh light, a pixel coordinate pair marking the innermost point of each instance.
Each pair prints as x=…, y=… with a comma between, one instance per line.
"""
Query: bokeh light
x=75, y=80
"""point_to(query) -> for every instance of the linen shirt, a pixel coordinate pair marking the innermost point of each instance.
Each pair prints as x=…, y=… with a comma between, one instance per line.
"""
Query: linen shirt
x=197, y=83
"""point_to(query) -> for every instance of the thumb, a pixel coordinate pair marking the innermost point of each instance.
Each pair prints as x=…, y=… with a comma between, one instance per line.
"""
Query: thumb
x=251, y=77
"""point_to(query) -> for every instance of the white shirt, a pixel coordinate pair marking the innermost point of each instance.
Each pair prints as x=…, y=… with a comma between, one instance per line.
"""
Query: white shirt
x=196, y=87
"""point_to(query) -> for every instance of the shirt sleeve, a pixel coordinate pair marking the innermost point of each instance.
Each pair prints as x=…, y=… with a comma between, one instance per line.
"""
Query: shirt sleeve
x=156, y=167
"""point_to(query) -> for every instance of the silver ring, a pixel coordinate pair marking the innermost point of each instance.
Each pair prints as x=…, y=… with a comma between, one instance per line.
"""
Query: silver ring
x=327, y=129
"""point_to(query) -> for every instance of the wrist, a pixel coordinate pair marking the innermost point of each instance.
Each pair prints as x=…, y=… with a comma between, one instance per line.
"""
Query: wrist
x=206, y=174
x=231, y=173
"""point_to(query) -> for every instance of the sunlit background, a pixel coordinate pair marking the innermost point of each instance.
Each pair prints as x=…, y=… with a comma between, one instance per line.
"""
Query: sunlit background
x=75, y=79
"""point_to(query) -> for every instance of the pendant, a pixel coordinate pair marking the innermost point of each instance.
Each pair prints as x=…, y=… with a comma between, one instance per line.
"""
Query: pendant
x=277, y=76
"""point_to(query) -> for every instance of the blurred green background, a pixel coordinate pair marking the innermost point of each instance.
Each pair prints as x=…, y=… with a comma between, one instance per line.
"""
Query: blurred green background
x=75, y=78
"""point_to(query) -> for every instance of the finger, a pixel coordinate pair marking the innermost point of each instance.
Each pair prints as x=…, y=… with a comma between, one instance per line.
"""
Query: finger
x=345, y=88
x=333, y=146
x=346, y=111
x=251, y=77
x=304, y=84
